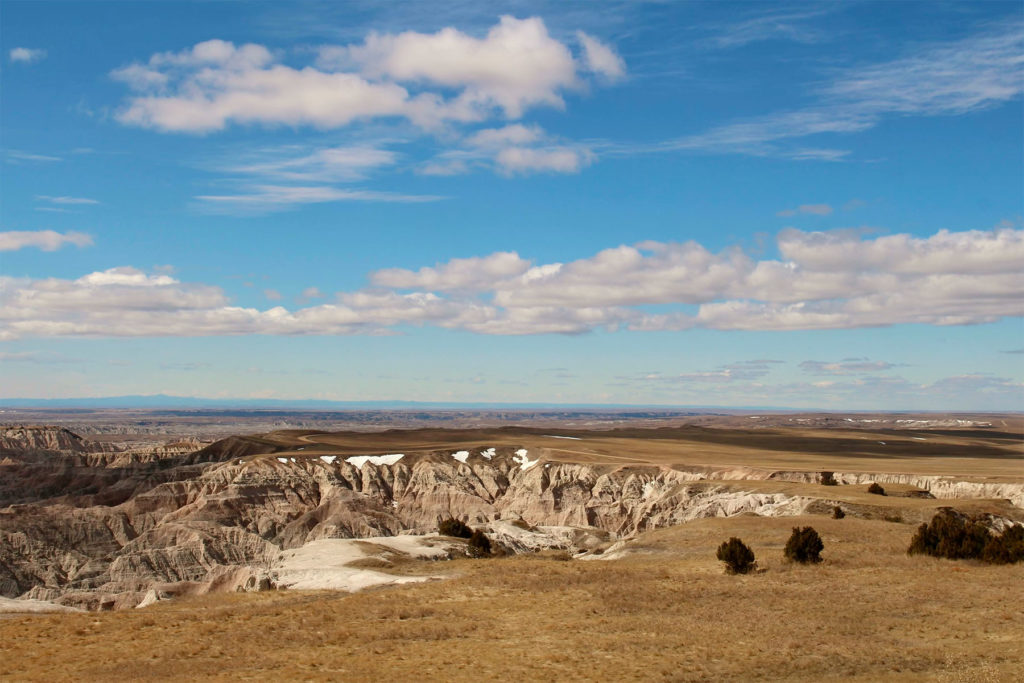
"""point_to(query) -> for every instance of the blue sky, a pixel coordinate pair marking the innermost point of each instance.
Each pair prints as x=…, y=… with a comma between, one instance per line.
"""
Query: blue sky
x=751, y=204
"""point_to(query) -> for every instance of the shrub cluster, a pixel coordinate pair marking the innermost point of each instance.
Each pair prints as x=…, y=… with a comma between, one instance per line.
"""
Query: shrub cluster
x=837, y=512
x=804, y=546
x=738, y=558
x=479, y=545
x=876, y=489
x=956, y=537
x=828, y=479
x=455, y=528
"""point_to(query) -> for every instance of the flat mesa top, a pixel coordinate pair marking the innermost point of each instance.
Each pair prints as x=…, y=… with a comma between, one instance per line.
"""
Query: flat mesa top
x=969, y=452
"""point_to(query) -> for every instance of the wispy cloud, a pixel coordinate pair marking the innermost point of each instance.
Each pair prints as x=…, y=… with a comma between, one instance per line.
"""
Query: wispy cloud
x=813, y=209
x=975, y=73
x=66, y=200
x=47, y=240
x=17, y=156
x=26, y=55
x=278, y=197
x=776, y=24
x=849, y=366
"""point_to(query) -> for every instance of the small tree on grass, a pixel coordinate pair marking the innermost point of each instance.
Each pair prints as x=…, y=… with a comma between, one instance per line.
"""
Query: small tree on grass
x=876, y=489
x=837, y=512
x=738, y=558
x=455, y=528
x=804, y=546
x=479, y=545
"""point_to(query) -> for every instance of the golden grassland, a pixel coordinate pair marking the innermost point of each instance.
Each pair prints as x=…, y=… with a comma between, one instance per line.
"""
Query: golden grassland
x=665, y=612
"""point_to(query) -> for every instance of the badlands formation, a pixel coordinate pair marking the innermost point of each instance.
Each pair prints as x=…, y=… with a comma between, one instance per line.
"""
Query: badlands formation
x=88, y=525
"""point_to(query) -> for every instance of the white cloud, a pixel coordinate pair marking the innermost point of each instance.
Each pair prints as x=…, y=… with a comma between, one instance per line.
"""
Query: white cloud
x=946, y=279
x=344, y=163
x=428, y=79
x=515, y=66
x=600, y=58
x=971, y=74
x=47, y=240
x=845, y=367
x=458, y=274
x=773, y=25
x=272, y=197
x=17, y=156
x=514, y=134
x=813, y=209
x=65, y=200
x=556, y=159
x=26, y=55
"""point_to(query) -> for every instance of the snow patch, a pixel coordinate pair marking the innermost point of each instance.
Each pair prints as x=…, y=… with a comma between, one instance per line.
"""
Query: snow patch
x=489, y=453
x=522, y=459
x=329, y=459
x=572, y=438
x=283, y=460
x=461, y=456
x=360, y=460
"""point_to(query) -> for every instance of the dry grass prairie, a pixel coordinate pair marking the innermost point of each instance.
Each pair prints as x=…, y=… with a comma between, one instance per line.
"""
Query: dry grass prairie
x=666, y=612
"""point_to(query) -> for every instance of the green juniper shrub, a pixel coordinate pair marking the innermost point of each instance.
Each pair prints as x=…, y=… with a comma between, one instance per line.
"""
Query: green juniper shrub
x=1007, y=548
x=837, y=512
x=876, y=489
x=828, y=479
x=954, y=536
x=738, y=558
x=804, y=546
x=479, y=545
x=455, y=528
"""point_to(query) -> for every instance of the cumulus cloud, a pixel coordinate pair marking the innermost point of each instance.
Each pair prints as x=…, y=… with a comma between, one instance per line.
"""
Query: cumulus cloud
x=47, y=240
x=473, y=274
x=947, y=279
x=515, y=66
x=430, y=79
x=26, y=55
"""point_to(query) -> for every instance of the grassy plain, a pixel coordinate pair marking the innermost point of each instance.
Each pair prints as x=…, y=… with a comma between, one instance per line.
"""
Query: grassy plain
x=664, y=612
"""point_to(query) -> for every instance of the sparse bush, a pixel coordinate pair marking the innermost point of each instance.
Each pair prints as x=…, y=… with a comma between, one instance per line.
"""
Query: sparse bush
x=828, y=479
x=455, y=528
x=876, y=489
x=837, y=512
x=479, y=545
x=804, y=546
x=738, y=558
x=954, y=536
